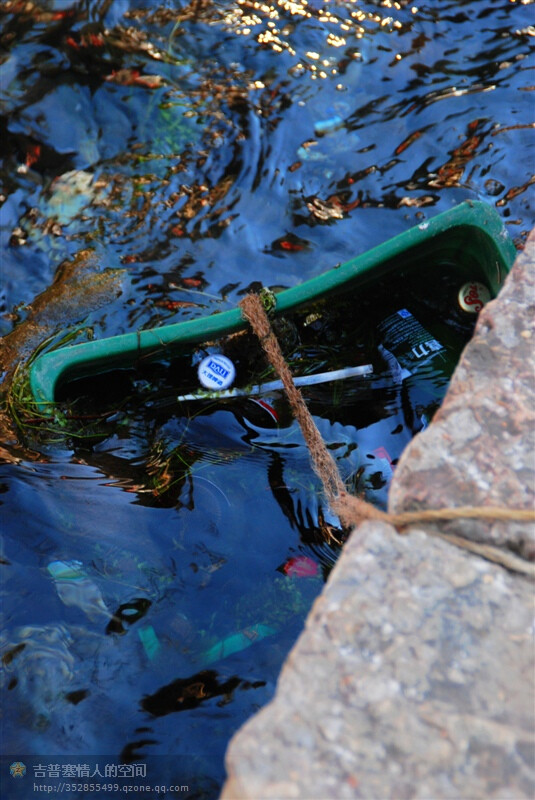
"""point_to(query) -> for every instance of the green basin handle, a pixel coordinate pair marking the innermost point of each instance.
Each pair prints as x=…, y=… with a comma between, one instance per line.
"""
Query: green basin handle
x=470, y=226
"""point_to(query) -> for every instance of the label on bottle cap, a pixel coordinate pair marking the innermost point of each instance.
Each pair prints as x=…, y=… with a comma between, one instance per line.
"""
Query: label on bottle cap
x=473, y=296
x=216, y=372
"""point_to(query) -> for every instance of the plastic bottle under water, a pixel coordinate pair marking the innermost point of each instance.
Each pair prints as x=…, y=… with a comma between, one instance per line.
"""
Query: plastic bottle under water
x=74, y=588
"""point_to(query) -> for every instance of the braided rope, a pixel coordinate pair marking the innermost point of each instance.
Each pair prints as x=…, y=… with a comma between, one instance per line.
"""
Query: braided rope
x=322, y=460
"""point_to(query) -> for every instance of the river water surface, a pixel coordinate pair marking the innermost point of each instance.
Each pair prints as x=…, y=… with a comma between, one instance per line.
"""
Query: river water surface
x=157, y=571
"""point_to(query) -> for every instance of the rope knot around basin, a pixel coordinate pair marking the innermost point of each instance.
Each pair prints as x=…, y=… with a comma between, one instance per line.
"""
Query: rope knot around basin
x=353, y=510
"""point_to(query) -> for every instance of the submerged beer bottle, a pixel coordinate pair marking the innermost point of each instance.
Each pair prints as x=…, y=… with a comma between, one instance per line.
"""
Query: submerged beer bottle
x=425, y=359
x=425, y=363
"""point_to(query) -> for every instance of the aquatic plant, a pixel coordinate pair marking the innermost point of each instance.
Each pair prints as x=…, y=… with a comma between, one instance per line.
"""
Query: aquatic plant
x=34, y=423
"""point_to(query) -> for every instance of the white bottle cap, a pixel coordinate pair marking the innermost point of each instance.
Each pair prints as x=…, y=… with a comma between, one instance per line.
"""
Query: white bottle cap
x=473, y=296
x=216, y=372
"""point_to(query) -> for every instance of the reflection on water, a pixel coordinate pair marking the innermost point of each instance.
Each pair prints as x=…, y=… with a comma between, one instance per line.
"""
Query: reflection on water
x=202, y=148
x=261, y=122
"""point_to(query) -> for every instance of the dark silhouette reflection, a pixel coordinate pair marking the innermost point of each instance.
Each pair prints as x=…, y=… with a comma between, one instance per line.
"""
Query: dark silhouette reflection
x=313, y=528
x=128, y=613
x=77, y=696
x=21, y=148
x=132, y=752
x=155, y=481
x=187, y=693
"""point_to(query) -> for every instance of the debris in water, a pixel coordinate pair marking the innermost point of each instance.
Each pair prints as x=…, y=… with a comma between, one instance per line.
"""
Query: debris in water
x=300, y=567
x=237, y=642
x=75, y=589
x=149, y=640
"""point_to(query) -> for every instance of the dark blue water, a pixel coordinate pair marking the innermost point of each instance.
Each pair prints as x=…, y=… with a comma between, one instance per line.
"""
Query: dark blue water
x=205, y=148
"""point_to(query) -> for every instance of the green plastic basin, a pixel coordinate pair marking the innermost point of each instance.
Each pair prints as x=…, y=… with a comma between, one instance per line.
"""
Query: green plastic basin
x=471, y=235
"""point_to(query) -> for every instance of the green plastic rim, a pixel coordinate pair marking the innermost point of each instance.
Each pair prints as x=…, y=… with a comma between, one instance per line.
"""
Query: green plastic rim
x=471, y=234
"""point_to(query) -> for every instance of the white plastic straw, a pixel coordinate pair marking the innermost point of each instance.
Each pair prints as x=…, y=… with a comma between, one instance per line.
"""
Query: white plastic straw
x=272, y=386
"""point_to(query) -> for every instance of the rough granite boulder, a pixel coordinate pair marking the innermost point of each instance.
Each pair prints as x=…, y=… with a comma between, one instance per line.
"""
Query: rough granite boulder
x=414, y=675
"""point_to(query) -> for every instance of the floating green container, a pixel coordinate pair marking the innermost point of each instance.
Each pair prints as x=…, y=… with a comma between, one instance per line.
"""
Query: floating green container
x=471, y=236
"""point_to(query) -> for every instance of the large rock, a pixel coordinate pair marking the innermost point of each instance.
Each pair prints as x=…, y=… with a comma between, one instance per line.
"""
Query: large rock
x=413, y=679
x=414, y=676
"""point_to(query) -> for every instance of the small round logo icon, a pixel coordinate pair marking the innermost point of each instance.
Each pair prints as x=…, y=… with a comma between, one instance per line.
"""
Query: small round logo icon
x=17, y=769
x=216, y=372
x=473, y=296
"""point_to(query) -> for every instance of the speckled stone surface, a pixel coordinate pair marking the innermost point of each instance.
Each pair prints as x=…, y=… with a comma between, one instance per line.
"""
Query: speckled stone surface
x=413, y=679
x=414, y=676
